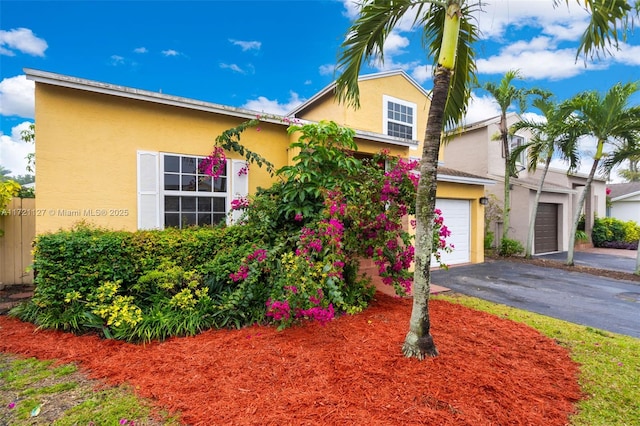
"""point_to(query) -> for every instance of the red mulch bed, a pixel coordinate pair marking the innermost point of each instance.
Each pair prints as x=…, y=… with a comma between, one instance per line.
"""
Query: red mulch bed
x=491, y=371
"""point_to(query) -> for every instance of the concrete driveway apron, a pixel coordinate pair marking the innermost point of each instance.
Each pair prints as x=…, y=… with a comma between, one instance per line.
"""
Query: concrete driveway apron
x=607, y=304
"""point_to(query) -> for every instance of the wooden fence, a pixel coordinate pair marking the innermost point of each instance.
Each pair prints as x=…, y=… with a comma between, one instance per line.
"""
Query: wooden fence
x=19, y=228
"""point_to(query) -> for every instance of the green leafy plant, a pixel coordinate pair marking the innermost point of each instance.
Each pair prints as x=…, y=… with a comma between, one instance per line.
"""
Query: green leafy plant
x=293, y=255
x=509, y=247
x=612, y=232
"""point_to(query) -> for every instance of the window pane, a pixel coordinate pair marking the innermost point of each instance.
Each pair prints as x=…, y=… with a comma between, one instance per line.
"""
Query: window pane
x=172, y=163
x=204, y=219
x=400, y=131
x=224, y=169
x=189, y=165
x=171, y=182
x=218, y=218
x=219, y=204
x=204, y=204
x=220, y=185
x=204, y=183
x=188, y=204
x=172, y=220
x=188, y=183
x=171, y=204
x=188, y=219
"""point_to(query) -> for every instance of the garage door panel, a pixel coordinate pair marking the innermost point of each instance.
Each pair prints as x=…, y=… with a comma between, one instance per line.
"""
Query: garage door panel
x=546, y=228
x=457, y=217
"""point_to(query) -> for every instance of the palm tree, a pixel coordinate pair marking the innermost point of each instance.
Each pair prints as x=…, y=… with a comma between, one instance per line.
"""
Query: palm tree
x=611, y=121
x=449, y=32
x=552, y=136
x=506, y=94
x=620, y=155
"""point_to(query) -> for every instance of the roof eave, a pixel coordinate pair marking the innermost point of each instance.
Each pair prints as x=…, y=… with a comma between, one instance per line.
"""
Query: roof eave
x=143, y=95
x=465, y=180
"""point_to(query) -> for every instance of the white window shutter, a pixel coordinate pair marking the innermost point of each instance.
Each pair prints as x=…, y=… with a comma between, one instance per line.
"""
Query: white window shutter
x=148, y=190
x=239, y=184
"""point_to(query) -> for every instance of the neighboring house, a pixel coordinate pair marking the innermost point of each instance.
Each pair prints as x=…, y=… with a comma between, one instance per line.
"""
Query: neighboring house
x=127, y=159
x=475, y=149
x=625, y=201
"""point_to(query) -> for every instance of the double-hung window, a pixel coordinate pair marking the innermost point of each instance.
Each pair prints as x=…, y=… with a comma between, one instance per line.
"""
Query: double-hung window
x=173, y=191
x=399, y=118
x=514, y=142
x=189, y=196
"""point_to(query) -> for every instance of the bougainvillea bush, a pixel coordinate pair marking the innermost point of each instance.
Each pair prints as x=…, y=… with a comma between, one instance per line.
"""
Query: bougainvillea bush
x=292, y=255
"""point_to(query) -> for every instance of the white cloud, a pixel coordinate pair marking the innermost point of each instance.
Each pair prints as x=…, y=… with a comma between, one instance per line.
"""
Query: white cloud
x=117, y=60
x=265, y=105
x=537, y=64
x=140, y=50
x=481, y=108
x=561, y=22
x=351, y=8
x=422, y=73
x=22, y=40
x=247, y=45
x=17, y=96
x=394, y=44
x=14, y=151
x=171, y=52
x=627, y=54
x=232, y=67
x=327, y=69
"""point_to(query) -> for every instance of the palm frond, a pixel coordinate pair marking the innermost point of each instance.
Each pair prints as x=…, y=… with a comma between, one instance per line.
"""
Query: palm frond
x=609, y=22
x=465, y=71
x=364, y=42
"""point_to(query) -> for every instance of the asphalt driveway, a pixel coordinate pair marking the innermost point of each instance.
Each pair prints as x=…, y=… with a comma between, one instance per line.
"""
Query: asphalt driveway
x=607, y=304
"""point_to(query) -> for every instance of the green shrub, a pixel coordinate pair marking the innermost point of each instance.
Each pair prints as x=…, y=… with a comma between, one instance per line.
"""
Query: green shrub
x=488, y=240
x=509, y=247
x=133, y=285
x=610, y=230
x=293, y=255
x=631, y=232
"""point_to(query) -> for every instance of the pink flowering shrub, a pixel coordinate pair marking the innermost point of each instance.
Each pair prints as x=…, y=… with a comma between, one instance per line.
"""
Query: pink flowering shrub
x=327, y=211
x=215, y=165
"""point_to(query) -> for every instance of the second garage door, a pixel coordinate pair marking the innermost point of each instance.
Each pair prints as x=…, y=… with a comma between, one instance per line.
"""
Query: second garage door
x=457, y=217
x=546, y=229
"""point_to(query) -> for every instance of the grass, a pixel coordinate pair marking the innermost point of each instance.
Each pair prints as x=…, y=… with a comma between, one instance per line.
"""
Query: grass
x=610, y=377
x=34, y=392
x=610, y=363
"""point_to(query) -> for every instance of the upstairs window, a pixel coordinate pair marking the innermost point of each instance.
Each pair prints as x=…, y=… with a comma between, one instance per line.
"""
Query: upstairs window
x=399, y=118
x=514, y=142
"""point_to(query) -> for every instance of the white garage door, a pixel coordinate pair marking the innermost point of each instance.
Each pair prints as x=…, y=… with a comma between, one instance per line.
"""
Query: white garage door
x=457, y=218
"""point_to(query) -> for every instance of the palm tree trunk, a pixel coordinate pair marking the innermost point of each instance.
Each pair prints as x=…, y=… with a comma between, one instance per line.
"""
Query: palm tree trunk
x=506, y=212
x=578, y=212
x=534, y=212
x=419, y=342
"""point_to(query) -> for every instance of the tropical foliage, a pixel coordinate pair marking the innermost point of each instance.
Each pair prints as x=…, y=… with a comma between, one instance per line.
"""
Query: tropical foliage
x=293, y=254
x=612, y=122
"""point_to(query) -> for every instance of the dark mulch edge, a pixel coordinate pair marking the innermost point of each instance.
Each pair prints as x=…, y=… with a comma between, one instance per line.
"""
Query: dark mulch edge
x=548, y=263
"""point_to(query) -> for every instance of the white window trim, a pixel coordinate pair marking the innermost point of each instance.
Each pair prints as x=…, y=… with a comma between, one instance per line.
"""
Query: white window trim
x=514, y=142
x=164, y=193
x=385, y=120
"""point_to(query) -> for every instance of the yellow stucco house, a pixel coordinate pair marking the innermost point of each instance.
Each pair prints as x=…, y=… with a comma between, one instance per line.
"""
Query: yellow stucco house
x=127, y=159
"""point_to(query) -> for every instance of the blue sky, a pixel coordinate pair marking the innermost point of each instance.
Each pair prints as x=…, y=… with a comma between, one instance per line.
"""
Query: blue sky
x=269, y=55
